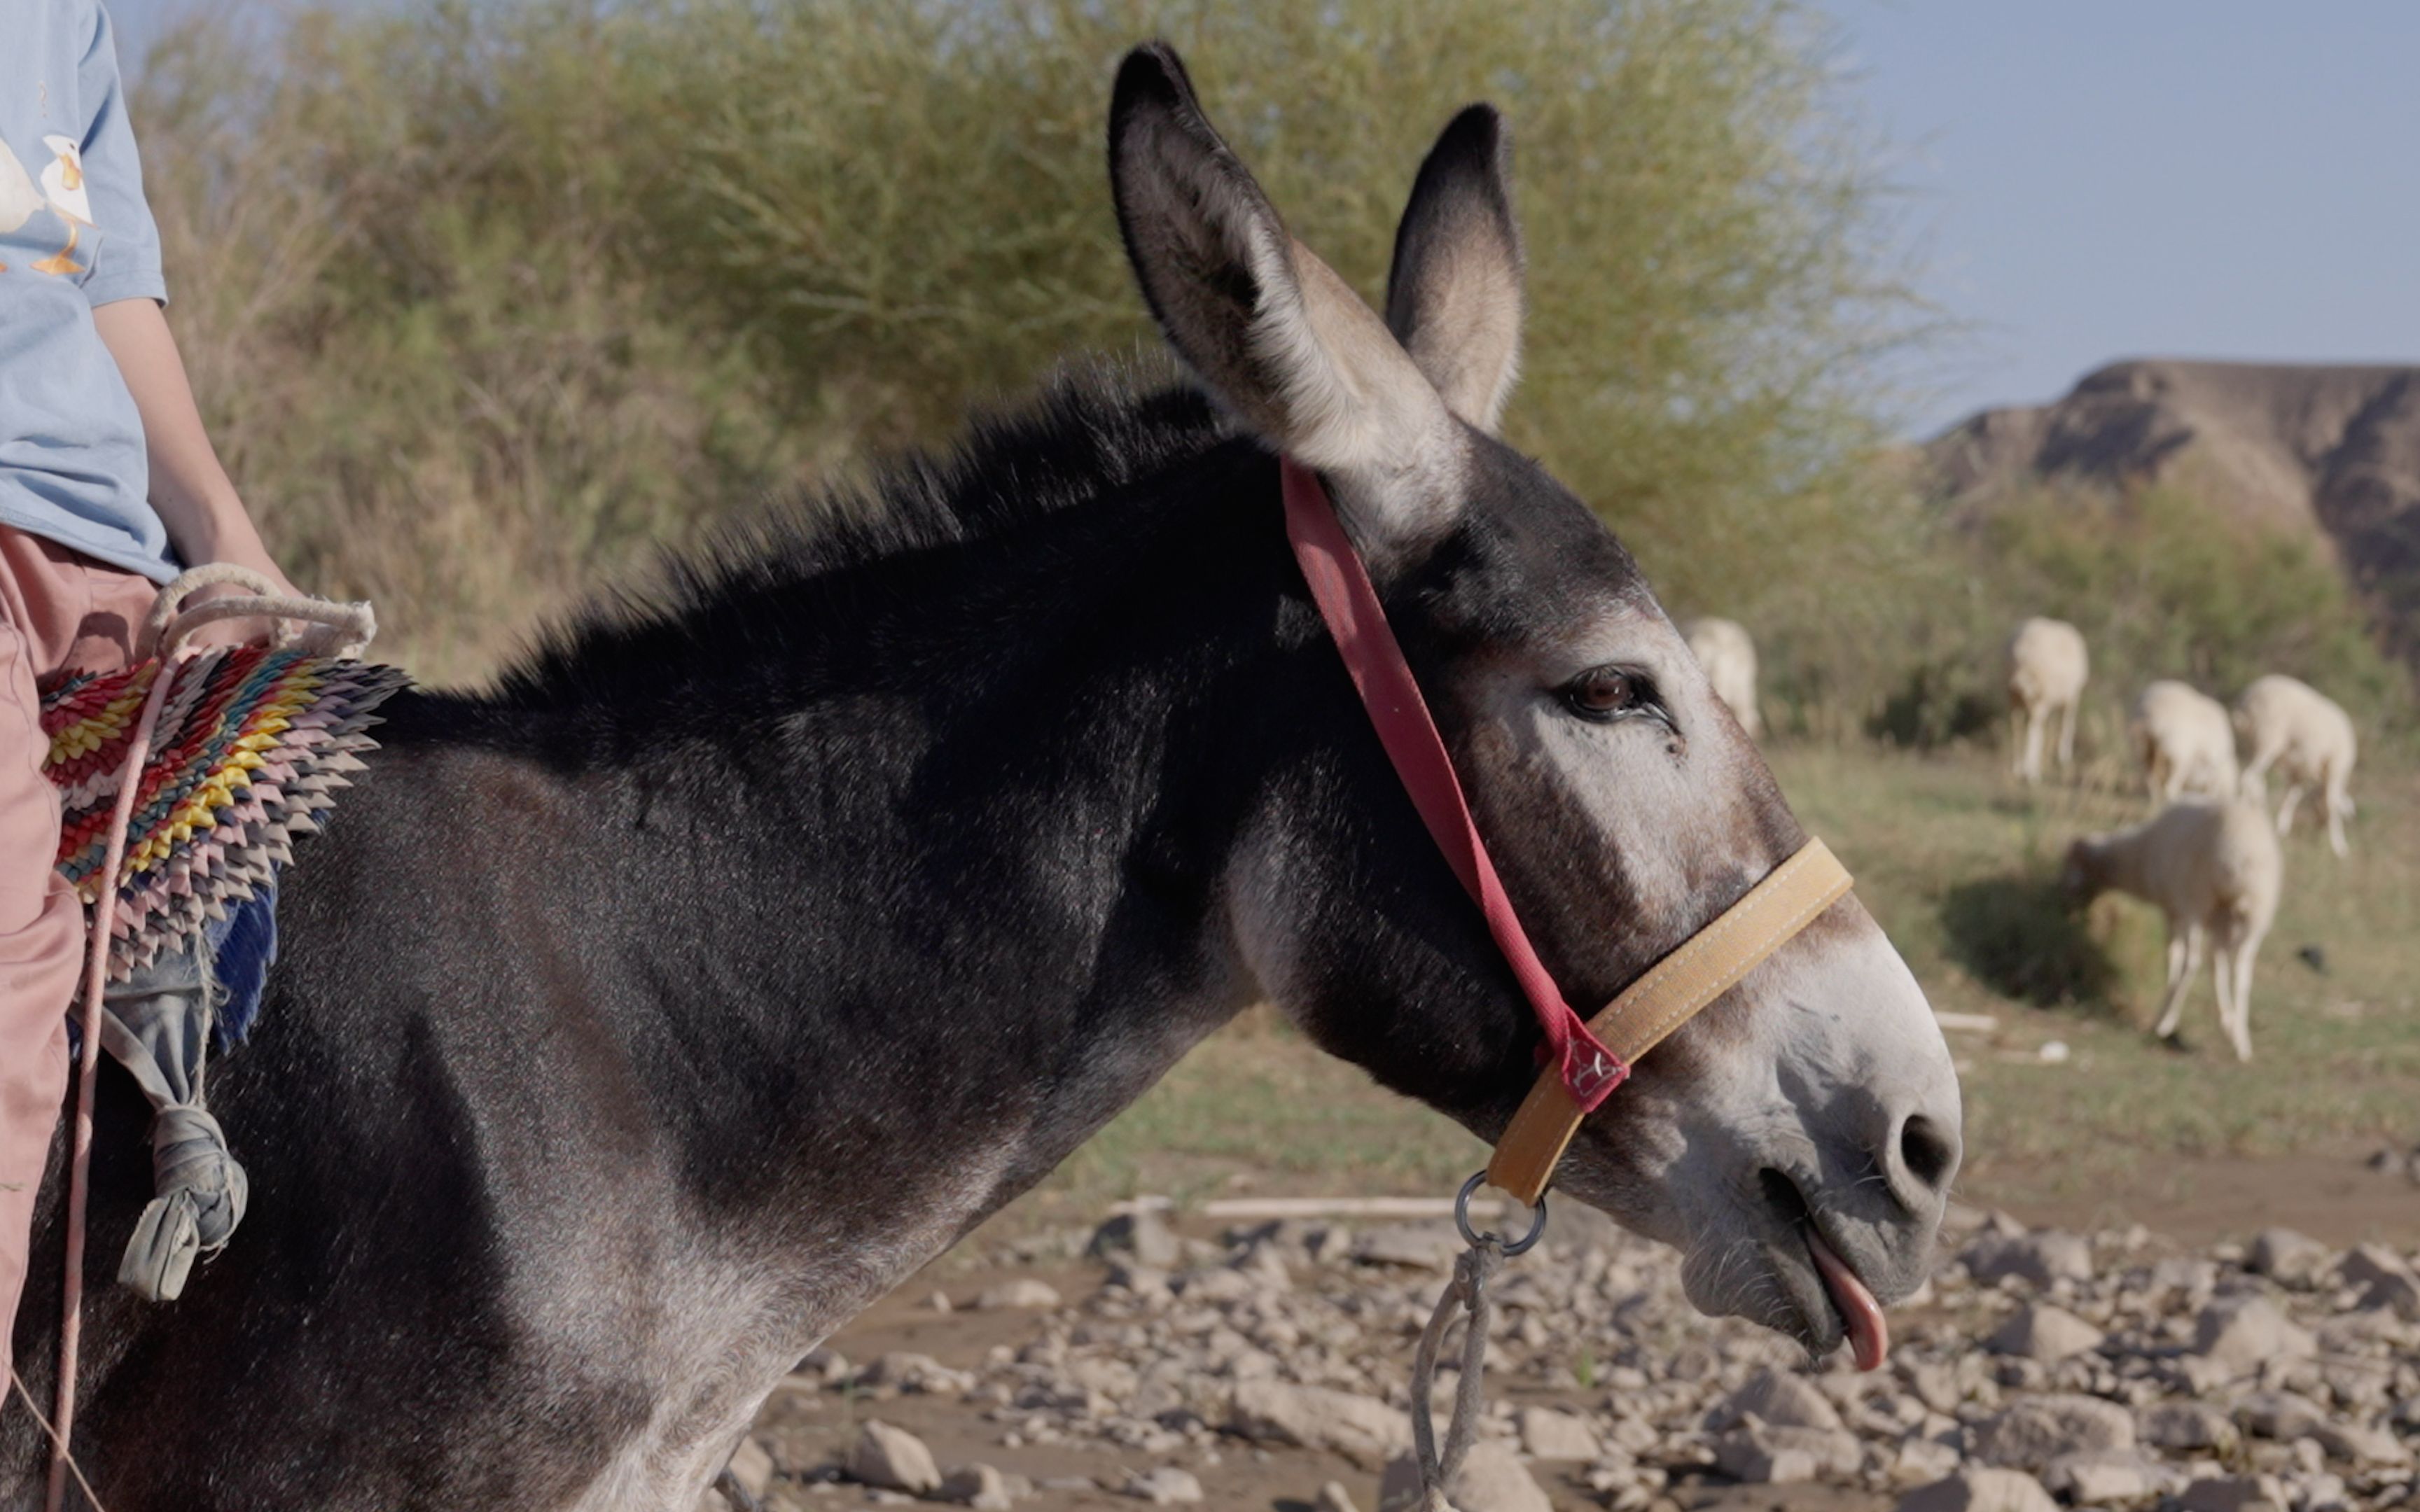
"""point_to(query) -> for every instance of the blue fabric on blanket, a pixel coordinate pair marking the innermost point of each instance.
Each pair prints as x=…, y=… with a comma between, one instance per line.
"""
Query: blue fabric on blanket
x=241, y=948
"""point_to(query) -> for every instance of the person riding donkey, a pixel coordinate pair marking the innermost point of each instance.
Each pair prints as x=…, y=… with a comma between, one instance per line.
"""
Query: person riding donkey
x=108, y=484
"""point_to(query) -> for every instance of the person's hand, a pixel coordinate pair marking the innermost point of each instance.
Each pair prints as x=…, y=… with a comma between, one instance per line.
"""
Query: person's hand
x=236, y=632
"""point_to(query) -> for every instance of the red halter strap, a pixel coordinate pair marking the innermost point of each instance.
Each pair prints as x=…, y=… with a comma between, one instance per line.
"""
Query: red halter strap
x=1340, y=585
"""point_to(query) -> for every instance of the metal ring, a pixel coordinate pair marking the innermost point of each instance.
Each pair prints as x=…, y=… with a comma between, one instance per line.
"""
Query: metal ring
x=1473, y=1237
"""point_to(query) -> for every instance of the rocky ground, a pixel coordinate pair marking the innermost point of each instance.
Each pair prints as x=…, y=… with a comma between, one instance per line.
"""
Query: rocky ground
x=1266, y=1366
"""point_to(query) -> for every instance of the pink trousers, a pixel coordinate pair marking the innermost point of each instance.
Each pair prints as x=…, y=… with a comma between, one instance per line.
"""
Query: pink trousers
x=58, y=609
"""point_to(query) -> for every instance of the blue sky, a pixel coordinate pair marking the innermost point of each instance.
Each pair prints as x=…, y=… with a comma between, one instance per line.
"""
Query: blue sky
x=2137, y=179
x=2118, y=178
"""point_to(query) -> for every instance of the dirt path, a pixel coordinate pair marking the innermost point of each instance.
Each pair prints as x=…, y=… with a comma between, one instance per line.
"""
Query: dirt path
x=2334, y=1198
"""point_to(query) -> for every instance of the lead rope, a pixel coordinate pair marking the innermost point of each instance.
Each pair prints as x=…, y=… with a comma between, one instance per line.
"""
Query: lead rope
x=1477, y=1265
x=340, y=630
x=1467, y=1291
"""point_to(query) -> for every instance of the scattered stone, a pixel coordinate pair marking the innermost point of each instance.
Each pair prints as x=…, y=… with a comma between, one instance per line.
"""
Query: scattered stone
x=978, y=1486
x=1761, y=1453
x=2368, y=1264
x=893, y=1458
x=2042, y=1332
x=939, y=1302
x=1024, y=1291
x=1547, y=1434
x=828, y=1365
x=2170, y=1370
x=1150, y=1286
x=1425, y=1246
x=1980, y=1489
x=2035, y=1430
x=1492, y=1480
x=2359, y=1444
x=2281, y=1416
x=752, y=1466
x=2101, y=1476
x=2043, y=1258
x=2242, y=1332
x=1362, y=1428
x=903, y=1370
x=2398, y=1294
x=1144, y=1235
x=2233, y=1493
x=2190, y=1278
x=1265, y=1269
x=1780, y=1399
x=1167, y=1486
x=2186, y=1425
x=1934, y=1382
x=1333, y=1497
x=1922, y=1460
x=2286, y=1257
x=1214, y=1284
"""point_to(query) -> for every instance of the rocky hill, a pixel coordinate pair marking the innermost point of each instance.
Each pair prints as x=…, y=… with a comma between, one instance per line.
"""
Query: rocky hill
x=2333, y=450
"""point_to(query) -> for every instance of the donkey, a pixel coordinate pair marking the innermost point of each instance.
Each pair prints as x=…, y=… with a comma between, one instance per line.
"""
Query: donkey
x=644, y=1018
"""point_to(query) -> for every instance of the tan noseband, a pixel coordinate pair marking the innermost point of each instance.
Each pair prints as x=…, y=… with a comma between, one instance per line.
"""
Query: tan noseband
x=1672, y=992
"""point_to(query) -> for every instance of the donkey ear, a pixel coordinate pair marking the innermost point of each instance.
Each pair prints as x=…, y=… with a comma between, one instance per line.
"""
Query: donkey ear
x=1281, y=339
x=1453, y=297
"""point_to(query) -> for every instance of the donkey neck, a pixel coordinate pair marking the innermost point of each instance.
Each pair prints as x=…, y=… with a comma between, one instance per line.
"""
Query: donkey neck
x=955, y=876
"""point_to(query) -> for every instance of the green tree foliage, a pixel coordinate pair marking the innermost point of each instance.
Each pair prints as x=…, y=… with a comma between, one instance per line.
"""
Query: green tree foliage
x=487, y=293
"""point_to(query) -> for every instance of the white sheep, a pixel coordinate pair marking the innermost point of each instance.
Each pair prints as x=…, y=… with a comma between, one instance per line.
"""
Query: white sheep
x=2214, y=870
x=2186, y=743
x=2047, y=668
x=2308, y=737
x=1728, y=656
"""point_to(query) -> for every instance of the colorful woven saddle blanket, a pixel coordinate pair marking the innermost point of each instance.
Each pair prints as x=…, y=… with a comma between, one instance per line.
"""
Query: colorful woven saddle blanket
x=247, y=755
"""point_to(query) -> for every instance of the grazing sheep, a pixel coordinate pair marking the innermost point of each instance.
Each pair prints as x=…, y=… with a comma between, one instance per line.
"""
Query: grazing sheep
x=2186, y=742
x=2308, y=737
x=1728, y=656
x=2047, y=668
x=2214, y=870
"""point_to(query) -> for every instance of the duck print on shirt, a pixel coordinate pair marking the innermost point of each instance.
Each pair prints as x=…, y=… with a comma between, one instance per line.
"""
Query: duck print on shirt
x=62, y=192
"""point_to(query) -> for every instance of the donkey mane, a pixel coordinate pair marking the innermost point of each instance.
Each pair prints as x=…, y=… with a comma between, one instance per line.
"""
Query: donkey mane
x=775, y=579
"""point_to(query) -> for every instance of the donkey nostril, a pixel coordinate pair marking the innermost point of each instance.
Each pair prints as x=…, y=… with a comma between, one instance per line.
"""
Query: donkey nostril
x=1929, y=1155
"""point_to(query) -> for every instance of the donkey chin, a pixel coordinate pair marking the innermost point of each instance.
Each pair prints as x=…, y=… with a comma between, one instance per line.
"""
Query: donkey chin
x=1796, y=1143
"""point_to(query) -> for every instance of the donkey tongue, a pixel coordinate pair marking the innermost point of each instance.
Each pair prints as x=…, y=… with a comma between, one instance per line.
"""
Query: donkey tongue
x=1868, y=1333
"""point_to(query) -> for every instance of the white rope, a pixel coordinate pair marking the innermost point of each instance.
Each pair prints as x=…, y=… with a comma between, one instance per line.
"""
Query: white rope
x=336, y=629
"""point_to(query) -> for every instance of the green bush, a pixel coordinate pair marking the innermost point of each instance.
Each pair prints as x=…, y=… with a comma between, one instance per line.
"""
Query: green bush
x=2161, y=586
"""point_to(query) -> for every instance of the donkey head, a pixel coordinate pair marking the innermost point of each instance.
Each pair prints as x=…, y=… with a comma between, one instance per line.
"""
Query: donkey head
x=1811, y=1111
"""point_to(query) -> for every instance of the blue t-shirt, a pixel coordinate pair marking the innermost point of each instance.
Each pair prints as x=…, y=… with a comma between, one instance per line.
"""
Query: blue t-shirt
x=75, y=234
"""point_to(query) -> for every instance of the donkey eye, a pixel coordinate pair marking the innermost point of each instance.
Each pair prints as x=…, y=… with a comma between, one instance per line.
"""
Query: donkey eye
x=1607, y=693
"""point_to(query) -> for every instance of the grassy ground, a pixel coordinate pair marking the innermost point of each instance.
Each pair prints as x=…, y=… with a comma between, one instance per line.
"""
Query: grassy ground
x=1959, y=866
